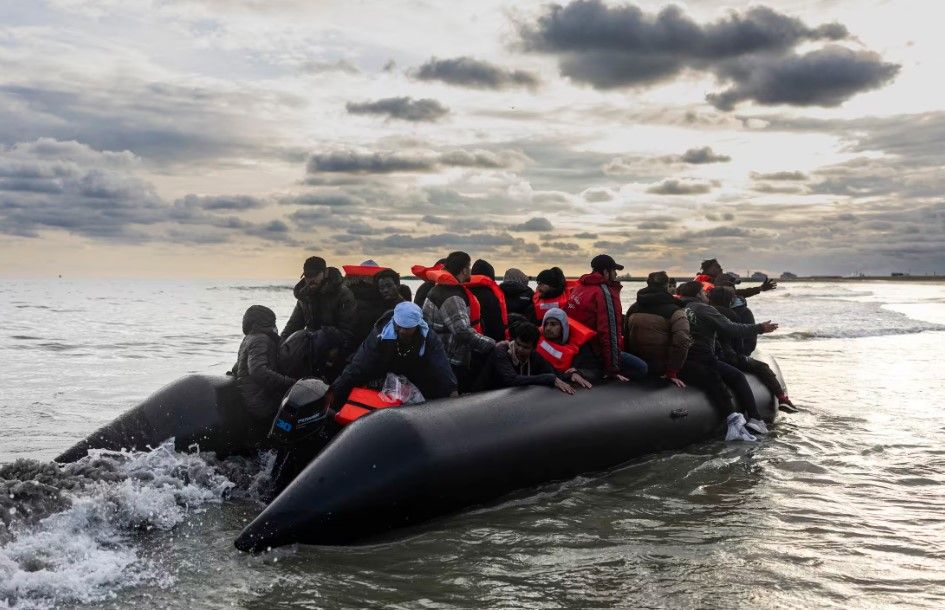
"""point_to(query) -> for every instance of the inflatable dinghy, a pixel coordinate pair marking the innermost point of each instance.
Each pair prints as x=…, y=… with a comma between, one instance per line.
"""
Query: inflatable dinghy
x=398, y=467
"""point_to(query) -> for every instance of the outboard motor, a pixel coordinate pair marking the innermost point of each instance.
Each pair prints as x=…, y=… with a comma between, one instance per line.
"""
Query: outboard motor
x=302, y=415
x=300, y=430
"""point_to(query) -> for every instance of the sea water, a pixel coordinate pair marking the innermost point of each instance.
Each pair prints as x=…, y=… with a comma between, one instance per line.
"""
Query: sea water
x=842, y=505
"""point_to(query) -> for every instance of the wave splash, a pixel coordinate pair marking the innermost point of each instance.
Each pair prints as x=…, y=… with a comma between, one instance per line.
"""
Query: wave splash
x=67, y=531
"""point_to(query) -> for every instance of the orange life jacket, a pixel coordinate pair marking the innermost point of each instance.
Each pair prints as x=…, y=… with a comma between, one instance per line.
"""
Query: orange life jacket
x=483, y=280
x=360, y=402
x=706, y=280
x=542, y=304
x=560, y=356
x=360, y=270
x=438, y=275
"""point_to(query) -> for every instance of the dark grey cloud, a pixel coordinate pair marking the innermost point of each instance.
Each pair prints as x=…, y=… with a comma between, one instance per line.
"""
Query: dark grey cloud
x=402, y=108
x=825, y=77
x=160, y=123
x=700, y=156
x=752, y=52
x=533, y=224
x=653, y=225
x=585, y=236
x=52, y=185
x=330, y=199
x=680, y=187
x=408, y=161
x=470, y=72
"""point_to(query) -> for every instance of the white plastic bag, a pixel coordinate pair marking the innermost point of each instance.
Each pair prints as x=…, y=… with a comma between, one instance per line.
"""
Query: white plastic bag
x=398, y=387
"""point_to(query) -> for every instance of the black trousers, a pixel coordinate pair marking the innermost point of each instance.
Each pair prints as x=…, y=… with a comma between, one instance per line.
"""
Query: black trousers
x=716, y=378
x=762, y=371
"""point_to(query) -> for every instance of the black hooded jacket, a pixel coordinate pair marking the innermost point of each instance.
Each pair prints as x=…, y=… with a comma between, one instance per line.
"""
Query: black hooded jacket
x=331, y=305
x=518, y=299
x=376, y=357
x=257, y=377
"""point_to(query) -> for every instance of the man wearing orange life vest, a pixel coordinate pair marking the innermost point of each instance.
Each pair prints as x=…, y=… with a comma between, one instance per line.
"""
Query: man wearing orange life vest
x=595, y=303
x=447, y=312
x=516, y=363
x=559, y=346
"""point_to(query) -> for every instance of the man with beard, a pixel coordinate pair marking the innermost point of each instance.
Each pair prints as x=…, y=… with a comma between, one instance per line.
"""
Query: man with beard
x=326, y=310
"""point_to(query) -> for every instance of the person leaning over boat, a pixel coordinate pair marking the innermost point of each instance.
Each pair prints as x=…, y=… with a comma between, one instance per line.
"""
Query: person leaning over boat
x=256, y=370
x=732, y=349
x=446, y=311
x=518, y=295
x=327, y=310
x=516, y=363
x=401, y=344
x=657, y=329
x=706, y=324
x=595, y=302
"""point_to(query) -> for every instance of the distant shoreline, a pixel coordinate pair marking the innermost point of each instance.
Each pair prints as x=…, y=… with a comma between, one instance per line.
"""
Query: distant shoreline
x=829, y=279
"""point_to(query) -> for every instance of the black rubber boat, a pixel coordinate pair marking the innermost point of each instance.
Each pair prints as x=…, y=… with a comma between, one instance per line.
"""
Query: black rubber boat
x=400, y=467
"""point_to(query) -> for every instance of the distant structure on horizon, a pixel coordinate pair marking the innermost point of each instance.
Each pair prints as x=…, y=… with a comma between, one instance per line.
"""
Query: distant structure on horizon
x=758, y=276
x=787, y=275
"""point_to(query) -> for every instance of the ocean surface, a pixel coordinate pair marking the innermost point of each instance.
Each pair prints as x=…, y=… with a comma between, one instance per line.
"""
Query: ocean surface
x=843, y=505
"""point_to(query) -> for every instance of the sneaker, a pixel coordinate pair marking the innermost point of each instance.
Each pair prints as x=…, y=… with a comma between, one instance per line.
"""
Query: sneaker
x=757, y=426
x=787, y=407
x=736, y=429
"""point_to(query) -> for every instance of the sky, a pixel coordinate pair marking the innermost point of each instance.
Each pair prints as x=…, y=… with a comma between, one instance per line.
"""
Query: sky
x=235, y=138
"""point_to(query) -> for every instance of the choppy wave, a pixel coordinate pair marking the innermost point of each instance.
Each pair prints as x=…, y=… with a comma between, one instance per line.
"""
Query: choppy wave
x=67, y=531
x=855, y=333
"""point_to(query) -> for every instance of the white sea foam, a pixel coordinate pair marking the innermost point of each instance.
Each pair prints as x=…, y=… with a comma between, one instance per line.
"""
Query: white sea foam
x=70, y=538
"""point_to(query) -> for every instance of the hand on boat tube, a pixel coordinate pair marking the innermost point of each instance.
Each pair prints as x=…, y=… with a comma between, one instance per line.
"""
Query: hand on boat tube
x=620, y=377
x=564, y=386
x=768, y=327
x=578, y=379
x=679, y=383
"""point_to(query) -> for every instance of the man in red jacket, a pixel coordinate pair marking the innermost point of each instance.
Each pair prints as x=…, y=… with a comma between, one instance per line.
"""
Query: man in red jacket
x=595, y=302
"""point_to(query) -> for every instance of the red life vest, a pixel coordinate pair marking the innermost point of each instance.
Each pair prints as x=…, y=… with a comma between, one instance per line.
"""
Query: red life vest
x=360, y=270
x=438, y=275
x=483, y=280
x=707, y=283
x=360, y=402
x=560, y=356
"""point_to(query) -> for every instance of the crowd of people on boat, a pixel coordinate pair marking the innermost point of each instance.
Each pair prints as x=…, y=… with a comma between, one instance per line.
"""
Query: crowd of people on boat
x=464, y=332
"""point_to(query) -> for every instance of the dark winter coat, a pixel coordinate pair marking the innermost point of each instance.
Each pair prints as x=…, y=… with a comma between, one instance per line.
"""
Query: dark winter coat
x=595, y=303
x=376, y=357
x=370, y=307
x=518, y=299
x=490, y=312
x=257, y=376
x=706, y=323
x=500, y=372
x=420, y=298
x=330, y=306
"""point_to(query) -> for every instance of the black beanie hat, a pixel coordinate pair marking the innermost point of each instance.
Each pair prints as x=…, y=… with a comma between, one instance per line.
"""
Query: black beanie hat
x=481, y=267
x=553, y=277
